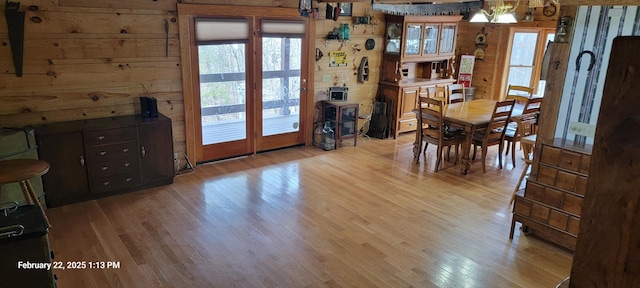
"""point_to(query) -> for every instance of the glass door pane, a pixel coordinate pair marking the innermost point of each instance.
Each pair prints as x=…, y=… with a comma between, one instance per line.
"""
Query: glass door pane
x=223, y=92
x=394, y=35
x=281, y=64
x=448, y=38
x=431, y=39
x=412, y=41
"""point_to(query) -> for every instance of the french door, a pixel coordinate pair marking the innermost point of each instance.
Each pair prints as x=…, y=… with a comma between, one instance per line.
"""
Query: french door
x=250, y=84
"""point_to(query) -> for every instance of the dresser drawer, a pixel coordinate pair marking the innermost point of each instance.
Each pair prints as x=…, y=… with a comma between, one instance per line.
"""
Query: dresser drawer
x=101, y=169
x=558, y=220
x=115, y=182
x=566, y=181
x=552, y=197
x=572, y=203
x=522, y=206
x=110, y=152
x=569, y=160
x=110, y=136
x=408, y=125
x=550, y=155
x=585, y=164
x=581, y=185
x=534, y=191
x=540, y=213
x=547, y=175
x=574, y=225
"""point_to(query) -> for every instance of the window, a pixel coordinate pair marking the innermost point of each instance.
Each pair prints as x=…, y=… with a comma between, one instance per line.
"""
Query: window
x=527, y=47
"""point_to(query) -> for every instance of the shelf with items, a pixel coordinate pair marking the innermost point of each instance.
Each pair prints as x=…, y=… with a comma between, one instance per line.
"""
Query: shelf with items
x=365, y=21
x=417, y=38
x=418, y=47
x=341, y=33
x=343, y=120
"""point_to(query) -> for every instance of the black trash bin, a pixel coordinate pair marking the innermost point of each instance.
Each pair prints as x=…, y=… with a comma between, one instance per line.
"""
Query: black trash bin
x=24, y=246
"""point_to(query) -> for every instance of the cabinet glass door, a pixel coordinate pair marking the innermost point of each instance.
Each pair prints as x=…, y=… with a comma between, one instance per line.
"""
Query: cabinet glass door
x=431, y=32
x=448, y=39
x=394, y=33
x=413, y=39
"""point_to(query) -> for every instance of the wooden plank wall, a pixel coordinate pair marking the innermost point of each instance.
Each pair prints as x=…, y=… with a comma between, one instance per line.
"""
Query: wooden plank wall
x=89, y=59
x=364, y=93
x=488, y=73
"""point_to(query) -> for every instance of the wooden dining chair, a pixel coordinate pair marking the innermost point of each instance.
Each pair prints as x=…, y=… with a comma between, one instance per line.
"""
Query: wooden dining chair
x=494, y=133
x=524, y=125
x=456, y=93
x=433, y=131
x=439, y=93
x=515, y=90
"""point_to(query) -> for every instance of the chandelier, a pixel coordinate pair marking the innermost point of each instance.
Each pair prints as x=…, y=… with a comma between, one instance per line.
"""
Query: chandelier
x=500, y=13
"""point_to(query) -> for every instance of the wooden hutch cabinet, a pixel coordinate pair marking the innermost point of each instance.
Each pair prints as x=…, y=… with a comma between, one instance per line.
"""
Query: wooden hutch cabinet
x=418, y=51
x=100, y=157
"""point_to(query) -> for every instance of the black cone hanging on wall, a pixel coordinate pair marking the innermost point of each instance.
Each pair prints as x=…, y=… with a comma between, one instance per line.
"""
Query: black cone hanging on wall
x=15, y=24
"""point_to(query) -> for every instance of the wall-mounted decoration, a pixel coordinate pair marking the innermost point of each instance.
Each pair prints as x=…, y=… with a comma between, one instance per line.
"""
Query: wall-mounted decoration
x=318, y=54
x=370, y=44
x=15, y=25
x=338, y=59
x=465, y=72
x=550, y=10
x=329, y=12
x=363, y=70
x=481, y=44
x=564, y=29
x=345, y=9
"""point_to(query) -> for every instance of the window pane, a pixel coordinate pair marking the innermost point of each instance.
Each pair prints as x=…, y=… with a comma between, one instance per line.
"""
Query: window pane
x=520, y=76
x=523, y=49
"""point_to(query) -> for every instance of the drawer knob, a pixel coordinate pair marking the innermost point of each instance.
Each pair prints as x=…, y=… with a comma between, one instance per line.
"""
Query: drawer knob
x=128, y=179
x=569, y=162
x=127, y=164
x=106, y=183
x=105, y=168
x=102, y=153
x=125, y=150
x=100, y=138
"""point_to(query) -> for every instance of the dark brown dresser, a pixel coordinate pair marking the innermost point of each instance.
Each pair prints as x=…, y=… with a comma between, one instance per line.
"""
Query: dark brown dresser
x=551, y=204
x=106, y=156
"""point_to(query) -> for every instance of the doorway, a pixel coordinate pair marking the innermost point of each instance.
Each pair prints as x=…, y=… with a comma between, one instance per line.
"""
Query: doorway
x=248, y=80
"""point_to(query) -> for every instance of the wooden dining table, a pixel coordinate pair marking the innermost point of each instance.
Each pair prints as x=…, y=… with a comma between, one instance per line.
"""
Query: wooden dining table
x=470, y=116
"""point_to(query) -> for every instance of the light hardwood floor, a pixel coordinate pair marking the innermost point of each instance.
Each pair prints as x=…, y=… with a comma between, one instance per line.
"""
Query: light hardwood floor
x=362, y=216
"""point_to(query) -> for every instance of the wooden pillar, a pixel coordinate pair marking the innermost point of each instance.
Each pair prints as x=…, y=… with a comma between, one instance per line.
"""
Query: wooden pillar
x=608, y=246
x=558, y=64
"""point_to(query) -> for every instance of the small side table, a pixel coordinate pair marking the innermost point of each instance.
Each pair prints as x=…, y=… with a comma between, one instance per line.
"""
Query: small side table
x=20, y=171
x=343, y=117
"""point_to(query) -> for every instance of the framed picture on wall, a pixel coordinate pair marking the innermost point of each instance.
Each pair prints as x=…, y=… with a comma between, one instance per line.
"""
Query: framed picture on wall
x=345, y=9
x=465, y=72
